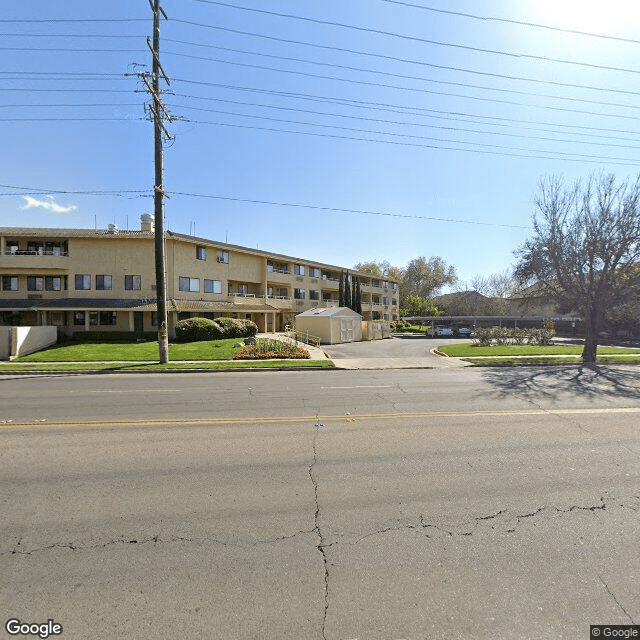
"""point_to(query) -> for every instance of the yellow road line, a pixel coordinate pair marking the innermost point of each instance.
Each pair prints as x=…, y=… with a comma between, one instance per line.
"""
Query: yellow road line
x=258, y=420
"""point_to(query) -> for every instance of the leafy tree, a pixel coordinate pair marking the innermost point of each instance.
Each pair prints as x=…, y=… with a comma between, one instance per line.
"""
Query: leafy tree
x=418, y=306
x=374, y=268
x=585, y=248
x=426, y=278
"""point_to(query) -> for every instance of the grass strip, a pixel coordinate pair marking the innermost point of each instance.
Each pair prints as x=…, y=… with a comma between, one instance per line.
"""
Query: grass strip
x=470, y=350
x=52, y=367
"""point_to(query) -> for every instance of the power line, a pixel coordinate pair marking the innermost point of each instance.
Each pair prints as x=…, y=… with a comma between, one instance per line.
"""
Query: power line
x=414, y=90
x=394, y=108
x=401, y=135
x=91, y=192
x=398, y=122
x=401, y=76
x=416, y=38
x=57, y=20
x=577, y=158
x=512, y=21
x=396, y=59
x=314, y=207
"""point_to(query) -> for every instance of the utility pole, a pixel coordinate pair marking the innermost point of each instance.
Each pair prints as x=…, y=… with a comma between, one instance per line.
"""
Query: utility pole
x=159, y=113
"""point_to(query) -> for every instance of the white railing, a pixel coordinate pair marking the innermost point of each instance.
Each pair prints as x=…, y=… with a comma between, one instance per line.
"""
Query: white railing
x=302, y=336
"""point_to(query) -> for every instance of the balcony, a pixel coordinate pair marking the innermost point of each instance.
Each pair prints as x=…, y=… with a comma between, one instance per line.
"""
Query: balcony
x=280, y=302
x=40, y=260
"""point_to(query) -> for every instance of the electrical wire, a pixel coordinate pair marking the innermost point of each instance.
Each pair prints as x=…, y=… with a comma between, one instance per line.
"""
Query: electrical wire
x=402, y=76
x=416, y=38
x=314, y=207
x=401, y=123
x=523, y=23
x=399, y=59
x=575, y=157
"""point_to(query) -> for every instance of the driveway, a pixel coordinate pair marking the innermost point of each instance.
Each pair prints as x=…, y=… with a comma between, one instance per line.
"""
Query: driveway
x=409, y=351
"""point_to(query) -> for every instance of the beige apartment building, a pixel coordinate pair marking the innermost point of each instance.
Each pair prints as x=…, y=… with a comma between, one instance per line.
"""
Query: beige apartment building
x=104, y=280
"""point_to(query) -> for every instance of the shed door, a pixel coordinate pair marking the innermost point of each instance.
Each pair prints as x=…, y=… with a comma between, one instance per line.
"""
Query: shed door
x=346, y=329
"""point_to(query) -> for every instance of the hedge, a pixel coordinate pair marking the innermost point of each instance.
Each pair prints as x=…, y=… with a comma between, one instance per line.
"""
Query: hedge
x=196, y=329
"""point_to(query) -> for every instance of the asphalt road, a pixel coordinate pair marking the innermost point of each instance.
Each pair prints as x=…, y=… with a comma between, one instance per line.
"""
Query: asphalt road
x=451, y=503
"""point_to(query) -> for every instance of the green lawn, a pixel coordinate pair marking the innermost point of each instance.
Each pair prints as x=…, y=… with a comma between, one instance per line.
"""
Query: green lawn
x=523, y=362
x=470, y=350
x=170, y=366
x=136, y=351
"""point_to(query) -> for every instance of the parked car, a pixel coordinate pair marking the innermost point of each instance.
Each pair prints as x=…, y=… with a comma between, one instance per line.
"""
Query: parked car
x=440, y=331
x=462, y=332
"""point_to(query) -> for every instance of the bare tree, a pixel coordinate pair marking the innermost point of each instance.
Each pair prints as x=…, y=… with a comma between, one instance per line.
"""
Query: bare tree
x=498, y=289
x=585, y=249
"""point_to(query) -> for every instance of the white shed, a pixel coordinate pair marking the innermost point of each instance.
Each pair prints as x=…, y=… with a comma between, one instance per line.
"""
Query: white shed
x=332, y=325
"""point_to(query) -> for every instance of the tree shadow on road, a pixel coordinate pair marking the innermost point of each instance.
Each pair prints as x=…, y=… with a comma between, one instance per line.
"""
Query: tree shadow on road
x=588, y=382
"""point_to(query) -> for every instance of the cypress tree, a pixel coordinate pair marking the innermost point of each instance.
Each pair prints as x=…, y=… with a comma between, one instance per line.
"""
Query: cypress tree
x=354, y=293
x=358, y=308
x=341, y=291
x=347, y=291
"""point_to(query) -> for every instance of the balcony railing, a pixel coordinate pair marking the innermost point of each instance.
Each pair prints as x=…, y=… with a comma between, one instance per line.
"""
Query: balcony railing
x=41, y=252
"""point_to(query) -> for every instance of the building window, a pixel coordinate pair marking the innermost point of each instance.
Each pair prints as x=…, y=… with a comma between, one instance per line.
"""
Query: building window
x=385, y=301
x=314, y=272
x=10, y=283
x=314, y=295
x=154, y=318
x=298, y=294
x=53, y=283
x=132, y=283
x=108, y=318
x=83, y=282
x=78, y=318
x=394, y=286
x=212, y=286
x=94, y=317
x=375, y=283
x=223, y=257
x=243, y=289
x=189, y=284
x=35, y=283
x=298, y=269
x=103, y=283
x=201, y=253
x=270, y=267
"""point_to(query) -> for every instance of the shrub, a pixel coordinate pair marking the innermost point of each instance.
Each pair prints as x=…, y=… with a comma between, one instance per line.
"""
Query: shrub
x=234, y=328
x=483, y=336
x=196, y=329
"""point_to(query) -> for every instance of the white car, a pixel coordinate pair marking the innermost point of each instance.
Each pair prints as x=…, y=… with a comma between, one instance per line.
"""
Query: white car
x=440, y=332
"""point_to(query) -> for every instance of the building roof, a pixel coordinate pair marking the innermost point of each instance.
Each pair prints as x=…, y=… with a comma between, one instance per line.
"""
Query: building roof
x=330, y=312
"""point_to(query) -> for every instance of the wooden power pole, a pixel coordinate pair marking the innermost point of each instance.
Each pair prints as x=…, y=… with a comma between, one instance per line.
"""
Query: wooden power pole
x=159, y=113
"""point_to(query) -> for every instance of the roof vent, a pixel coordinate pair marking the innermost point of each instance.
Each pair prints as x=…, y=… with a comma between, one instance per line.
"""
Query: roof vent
x=112, y=228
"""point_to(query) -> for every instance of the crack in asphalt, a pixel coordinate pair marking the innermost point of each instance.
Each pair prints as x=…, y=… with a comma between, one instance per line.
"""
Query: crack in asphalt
x=468, y=528
x=316, y=519
x=606, y=586
x=156, y=539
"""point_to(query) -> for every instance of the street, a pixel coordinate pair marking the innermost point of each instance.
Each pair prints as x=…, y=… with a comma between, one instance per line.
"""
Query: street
x=372, y=505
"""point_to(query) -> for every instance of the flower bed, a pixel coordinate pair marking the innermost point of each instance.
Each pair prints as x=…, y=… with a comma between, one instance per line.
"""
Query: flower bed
x=268, y=349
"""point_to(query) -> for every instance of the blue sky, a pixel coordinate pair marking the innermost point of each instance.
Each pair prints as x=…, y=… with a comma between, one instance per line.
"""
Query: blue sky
x=438, y=146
